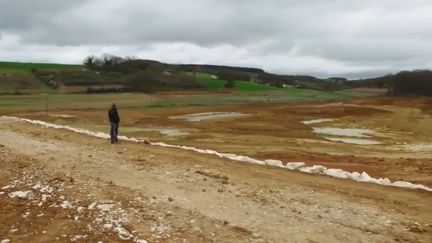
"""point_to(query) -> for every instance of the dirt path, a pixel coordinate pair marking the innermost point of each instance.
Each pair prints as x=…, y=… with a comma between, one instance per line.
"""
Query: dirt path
x=136, y=192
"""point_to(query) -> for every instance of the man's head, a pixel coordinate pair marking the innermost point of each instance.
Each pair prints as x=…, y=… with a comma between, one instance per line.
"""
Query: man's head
x=114, y=105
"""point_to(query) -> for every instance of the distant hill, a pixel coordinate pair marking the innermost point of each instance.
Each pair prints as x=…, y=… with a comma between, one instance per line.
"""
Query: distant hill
x=418, y=82
x=114, y=74
x=20, y=78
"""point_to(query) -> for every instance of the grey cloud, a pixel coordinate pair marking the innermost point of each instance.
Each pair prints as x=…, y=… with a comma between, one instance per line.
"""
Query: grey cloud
x=328, y=37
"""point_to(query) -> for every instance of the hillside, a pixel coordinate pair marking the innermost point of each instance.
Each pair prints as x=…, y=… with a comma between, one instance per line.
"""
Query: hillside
x=20, y=78
x=114, y=74
x=140, y=75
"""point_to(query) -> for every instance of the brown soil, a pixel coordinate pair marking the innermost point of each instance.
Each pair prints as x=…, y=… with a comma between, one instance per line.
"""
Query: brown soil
x=133, y=192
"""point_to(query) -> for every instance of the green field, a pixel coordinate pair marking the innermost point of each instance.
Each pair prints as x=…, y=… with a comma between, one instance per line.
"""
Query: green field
x=213, y=83
x=56, y=102
x=26, y=67
x=288, y=93
x=18, y=77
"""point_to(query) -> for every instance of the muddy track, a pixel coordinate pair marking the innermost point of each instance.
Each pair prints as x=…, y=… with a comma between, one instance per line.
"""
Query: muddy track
x=136, y=192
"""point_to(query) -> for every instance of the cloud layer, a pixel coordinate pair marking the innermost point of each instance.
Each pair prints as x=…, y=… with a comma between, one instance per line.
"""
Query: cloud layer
x=355, y=38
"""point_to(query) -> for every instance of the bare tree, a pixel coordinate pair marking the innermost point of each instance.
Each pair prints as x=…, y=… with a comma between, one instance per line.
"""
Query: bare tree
x=90, y=62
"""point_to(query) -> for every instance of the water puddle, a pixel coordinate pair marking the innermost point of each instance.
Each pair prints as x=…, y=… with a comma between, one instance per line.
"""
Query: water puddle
x=171, y=132
x=209, y=115
x=356, y=136
x=316, y=169
x=418, y=147
x=346, y=132
x=62, y=115
x=316, y=121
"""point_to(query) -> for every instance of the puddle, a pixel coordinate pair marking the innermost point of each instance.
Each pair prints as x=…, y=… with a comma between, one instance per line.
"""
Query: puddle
x=353, y=140
x=316, y=121
x=61, y=115
x=316, y=169
x=346, y=132
x=209, y=115
x=166, y=131
x=419, y=147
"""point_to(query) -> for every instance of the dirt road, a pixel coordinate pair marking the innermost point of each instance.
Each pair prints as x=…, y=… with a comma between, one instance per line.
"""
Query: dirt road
x=57, y=185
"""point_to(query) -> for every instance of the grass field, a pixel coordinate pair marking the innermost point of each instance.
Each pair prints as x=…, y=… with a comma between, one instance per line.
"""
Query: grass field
x=25, y=67
x=17, y=77
x=22, y=103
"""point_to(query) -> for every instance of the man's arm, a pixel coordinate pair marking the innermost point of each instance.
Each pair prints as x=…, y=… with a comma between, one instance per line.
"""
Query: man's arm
x=118, y=117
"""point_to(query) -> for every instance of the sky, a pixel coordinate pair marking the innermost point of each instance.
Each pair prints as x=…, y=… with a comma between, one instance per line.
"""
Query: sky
x=325, y=38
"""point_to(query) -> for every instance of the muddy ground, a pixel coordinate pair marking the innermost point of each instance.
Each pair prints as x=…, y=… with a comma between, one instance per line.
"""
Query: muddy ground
x=56, y=185
x=276, y=131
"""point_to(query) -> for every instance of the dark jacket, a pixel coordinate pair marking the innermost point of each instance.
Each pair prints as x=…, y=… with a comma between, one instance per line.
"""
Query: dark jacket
x=113, y=115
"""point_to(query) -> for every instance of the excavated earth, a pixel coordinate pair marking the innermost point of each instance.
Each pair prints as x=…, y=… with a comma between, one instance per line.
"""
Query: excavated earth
x=56, y=185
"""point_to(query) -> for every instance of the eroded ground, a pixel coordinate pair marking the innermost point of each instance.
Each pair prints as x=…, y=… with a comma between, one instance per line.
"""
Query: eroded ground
x=399, y=145
x=84, y=189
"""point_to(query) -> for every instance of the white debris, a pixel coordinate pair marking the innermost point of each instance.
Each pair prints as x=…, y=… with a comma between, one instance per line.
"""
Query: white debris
x=5, y=241
x=26, y=214
x=350, y=132
x=107, y=226
x=8, y=187
x=45, y=197
x=141, y=241
x=273, y=162
x=21, y=194
x=13, y=230
x=123, y=233
x=384, y=181
x=337, y=173
x=92, y=205
x=294, y=165
x=316, y=169
x=160, y=228
x=66, y=204
x=105, y=206
x=78, y=237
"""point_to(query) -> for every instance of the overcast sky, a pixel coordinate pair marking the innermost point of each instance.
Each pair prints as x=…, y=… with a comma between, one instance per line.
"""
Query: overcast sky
x=353, y=38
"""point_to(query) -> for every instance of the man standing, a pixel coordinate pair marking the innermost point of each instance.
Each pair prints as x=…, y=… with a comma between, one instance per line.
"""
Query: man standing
x=114, y=120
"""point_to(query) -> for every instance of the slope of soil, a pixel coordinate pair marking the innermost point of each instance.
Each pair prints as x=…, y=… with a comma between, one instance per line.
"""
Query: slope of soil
x=84, y=189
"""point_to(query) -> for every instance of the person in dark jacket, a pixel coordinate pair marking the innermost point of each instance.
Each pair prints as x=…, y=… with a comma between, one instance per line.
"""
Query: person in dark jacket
x=114, y=119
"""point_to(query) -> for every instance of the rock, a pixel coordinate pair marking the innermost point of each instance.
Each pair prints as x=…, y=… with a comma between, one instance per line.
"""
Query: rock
x=294, y=165
x=212, y=174
x=314, y=169
x=170, y=199
x=107, y=226
x=21, y=194
x=273, y=162
x=123, y=233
